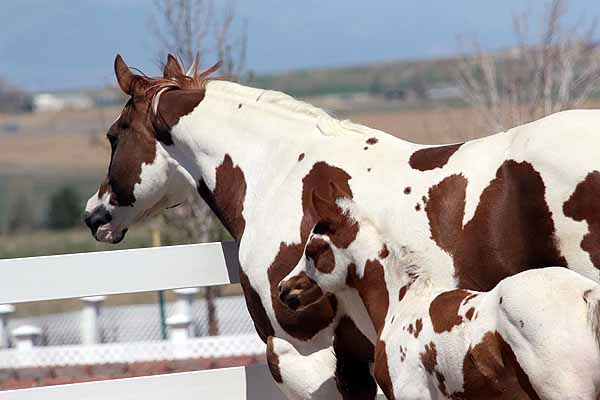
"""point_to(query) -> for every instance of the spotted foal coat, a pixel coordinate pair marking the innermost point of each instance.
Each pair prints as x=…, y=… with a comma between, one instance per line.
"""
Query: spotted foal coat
x=483, y=210
x=534, y=336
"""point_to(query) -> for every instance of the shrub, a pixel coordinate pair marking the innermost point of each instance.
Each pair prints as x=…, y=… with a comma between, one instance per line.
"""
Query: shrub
x=64, y=210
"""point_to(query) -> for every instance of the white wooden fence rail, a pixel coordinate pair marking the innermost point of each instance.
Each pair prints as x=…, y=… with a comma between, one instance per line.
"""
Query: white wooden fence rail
x=120, y=271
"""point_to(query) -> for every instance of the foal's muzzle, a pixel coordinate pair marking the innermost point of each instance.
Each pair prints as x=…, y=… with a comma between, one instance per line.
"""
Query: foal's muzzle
x=98, y=217
x=299, y=291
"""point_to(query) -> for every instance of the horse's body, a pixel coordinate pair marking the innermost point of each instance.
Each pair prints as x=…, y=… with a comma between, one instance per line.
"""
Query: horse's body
x=534, y=336
x=484, y=210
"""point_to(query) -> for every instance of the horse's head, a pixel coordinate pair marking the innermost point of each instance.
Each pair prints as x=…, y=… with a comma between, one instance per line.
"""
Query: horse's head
x=142, y=178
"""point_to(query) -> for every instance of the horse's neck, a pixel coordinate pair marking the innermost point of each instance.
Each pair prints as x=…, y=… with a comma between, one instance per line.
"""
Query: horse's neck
x=236, y=148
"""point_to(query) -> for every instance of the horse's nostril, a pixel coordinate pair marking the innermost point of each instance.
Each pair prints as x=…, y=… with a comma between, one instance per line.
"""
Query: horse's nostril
x=87, y=218
x=293, y=302
x=96, y=218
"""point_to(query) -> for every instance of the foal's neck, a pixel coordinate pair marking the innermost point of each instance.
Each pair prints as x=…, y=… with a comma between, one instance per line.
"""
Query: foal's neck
x=390, y=280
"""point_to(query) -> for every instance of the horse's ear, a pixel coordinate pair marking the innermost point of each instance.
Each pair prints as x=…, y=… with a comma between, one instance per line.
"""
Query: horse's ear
x=193, y=69
x=172, y=68
x=125, y=77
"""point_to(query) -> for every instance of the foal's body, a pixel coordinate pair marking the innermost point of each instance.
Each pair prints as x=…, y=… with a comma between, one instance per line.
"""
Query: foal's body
x=528, y=338
x=534, y=336
x=479, y=212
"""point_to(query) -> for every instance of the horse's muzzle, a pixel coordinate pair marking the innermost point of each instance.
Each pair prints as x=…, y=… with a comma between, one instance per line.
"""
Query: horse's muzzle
x=98, y=217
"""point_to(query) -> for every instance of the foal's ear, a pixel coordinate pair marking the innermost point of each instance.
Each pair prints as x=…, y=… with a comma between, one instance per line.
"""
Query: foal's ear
x=329, y=214
x=126, y=79
x=172, y=68
x=326, y=209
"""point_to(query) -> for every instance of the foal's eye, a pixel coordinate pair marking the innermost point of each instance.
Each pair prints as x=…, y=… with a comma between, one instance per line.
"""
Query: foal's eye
x=323, y=228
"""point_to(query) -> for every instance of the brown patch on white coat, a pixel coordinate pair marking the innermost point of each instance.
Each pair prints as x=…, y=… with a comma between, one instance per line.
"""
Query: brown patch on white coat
x=512, y=214
x=583, y=205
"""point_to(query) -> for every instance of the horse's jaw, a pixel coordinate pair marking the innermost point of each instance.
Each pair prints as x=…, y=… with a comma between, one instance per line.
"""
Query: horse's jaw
x=108, y=234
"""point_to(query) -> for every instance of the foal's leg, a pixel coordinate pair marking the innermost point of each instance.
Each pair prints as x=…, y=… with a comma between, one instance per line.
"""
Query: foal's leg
x=302, y=377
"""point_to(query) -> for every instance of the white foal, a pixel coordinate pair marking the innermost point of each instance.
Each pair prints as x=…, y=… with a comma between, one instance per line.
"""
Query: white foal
x=534, y=336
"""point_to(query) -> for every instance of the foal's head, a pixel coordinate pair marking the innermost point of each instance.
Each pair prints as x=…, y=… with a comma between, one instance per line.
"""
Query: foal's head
x=142, y=178
x=338, y=250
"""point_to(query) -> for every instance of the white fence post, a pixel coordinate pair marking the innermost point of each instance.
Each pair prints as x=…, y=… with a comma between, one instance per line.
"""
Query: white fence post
x=179, y=333
x=26, y=336
x=185, y=300
x=5, y=311
x=179, y=326
x=184, y=304
x=90, y=325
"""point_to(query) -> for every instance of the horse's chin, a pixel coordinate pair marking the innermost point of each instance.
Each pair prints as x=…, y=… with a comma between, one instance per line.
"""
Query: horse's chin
x=108, y=235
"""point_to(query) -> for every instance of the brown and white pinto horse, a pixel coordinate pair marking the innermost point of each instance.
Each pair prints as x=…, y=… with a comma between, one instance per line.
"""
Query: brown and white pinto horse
x=534, y=336
x=484, y=210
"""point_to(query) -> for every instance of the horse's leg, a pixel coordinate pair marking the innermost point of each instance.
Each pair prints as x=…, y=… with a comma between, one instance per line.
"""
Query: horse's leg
x=354, y=355
x=319, y=375
x=299, y=376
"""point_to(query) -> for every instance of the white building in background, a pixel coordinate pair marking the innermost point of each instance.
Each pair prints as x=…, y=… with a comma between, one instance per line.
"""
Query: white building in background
x=43, y=102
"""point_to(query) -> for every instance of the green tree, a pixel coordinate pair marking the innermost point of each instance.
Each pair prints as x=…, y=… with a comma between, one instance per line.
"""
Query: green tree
x=64, y=210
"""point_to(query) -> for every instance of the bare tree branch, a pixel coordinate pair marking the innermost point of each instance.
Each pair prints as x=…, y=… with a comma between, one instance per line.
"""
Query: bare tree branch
x=187, y=29
x=554, y=70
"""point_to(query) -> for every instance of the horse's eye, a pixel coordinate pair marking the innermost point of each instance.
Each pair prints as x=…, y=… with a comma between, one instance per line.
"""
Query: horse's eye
x=112, y=140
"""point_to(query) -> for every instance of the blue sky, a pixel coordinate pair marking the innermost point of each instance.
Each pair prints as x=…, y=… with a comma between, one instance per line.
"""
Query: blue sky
x=62, y=44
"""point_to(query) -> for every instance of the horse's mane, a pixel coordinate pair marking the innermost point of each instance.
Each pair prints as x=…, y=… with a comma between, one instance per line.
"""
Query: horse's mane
x=327, y=124
x=195, y=79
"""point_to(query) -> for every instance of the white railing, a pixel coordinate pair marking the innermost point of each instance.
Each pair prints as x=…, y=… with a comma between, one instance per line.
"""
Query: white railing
x=128, y=271
x=121, y=271
x=130, y=352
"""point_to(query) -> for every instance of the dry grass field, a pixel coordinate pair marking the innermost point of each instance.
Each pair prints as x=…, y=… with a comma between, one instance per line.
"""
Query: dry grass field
x=72, y=142
x=69, y=142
